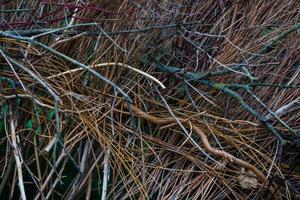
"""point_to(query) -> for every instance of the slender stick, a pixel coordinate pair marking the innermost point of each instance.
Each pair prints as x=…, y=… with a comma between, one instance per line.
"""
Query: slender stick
x=43, y=32
x=17, y=155
x=111, y=64
x=60, y=158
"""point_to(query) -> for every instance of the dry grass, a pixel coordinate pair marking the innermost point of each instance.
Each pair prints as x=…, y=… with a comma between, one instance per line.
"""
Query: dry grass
x=225, y=127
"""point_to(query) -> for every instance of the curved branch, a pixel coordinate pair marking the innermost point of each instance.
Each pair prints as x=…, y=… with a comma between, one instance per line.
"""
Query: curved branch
x=203, y=137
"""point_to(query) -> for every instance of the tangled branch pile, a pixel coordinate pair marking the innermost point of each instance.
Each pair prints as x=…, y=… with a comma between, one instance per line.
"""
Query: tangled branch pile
x=150, y=99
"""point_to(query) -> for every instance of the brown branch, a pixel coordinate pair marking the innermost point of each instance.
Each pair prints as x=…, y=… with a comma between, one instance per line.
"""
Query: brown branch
x=203, y=137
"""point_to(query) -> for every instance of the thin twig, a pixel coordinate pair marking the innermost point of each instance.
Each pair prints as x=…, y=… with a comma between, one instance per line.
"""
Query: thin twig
x=50, y=174
x=111, y=64
x=180, y=123
x=295, y=104
x=17, y=155
x=6, y=174
x=43, y=32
